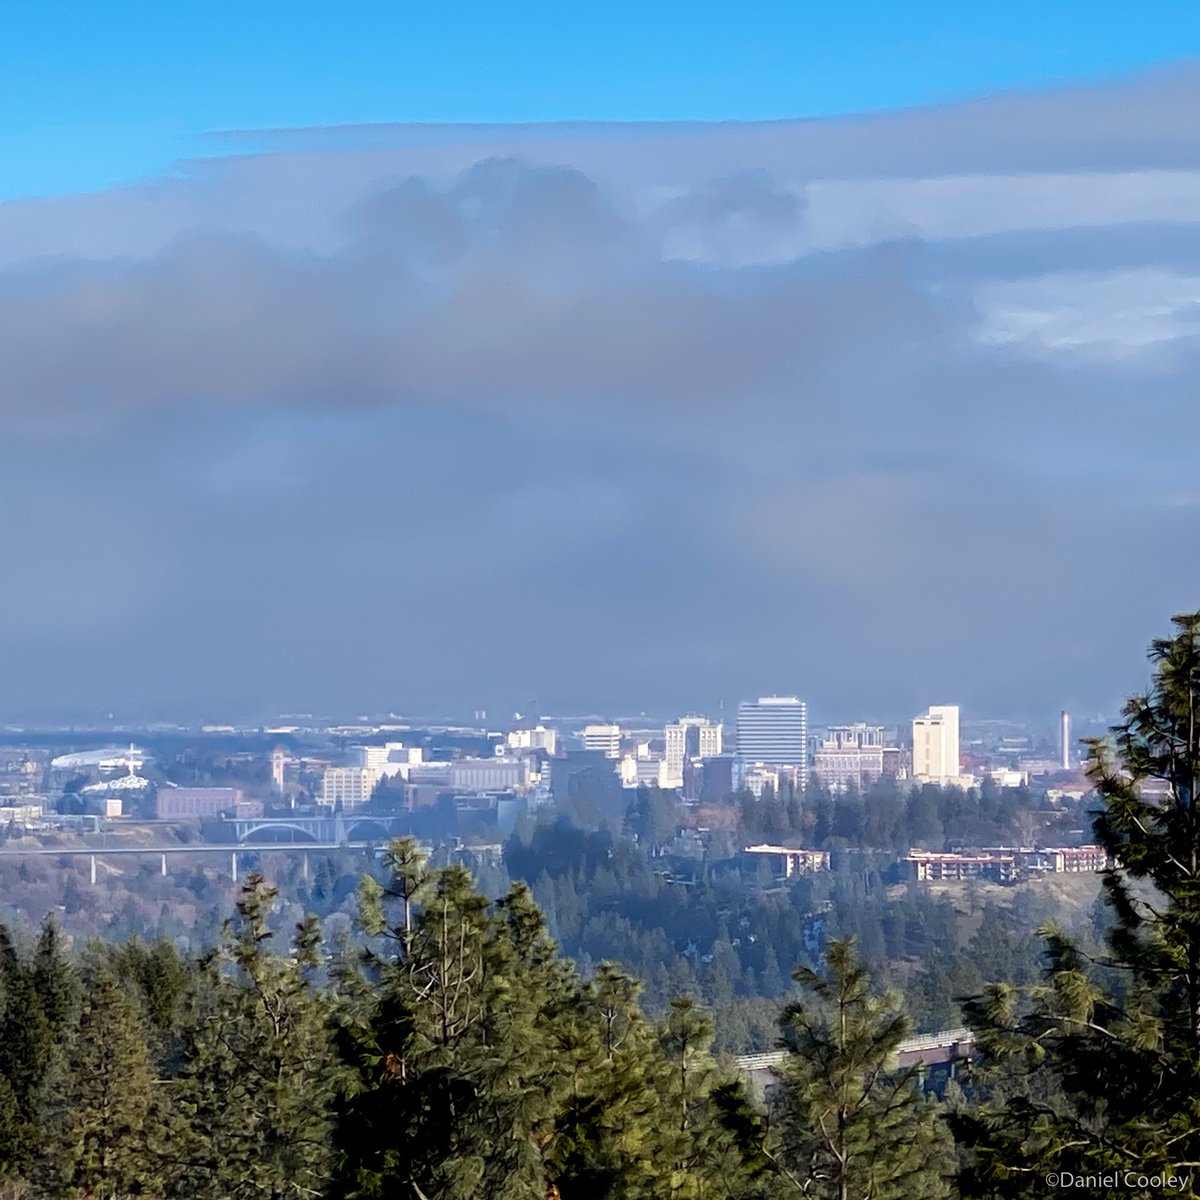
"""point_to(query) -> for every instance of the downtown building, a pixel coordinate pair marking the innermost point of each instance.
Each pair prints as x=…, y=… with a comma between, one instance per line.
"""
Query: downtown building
x=850, y=754
x=689, y=740
x=347, y=787
x=772, y=732
x=199, y=803
x=603, y=739
x=537, y=738
x=935, y=753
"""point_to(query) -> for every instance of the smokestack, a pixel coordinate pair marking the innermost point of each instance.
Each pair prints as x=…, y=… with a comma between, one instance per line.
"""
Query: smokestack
x=1064, y=737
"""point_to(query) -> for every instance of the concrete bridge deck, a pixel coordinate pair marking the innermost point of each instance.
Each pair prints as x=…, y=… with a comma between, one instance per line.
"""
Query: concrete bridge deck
x=235, y=851
x=946, y=1047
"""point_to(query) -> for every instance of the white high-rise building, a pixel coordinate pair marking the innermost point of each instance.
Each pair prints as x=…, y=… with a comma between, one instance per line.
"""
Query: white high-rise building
x=538, y=738
x=605, y=738
x=688, y=739
x=935, y=744
x=773, y=731
x=711, y=739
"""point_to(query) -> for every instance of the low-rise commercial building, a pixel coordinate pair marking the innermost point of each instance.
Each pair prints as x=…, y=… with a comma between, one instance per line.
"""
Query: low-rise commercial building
x=786, y=862
x=929, y=867
x=1065, y=860
x=638, y=772
x=489, y=774
x=1003, y=864
x=202, y=803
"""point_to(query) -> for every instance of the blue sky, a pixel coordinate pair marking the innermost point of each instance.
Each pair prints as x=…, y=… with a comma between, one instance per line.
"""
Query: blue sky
x=95, y=94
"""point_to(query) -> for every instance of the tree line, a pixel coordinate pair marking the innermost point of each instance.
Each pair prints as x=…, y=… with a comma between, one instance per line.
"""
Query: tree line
x=895, y=817
x=459, y=1055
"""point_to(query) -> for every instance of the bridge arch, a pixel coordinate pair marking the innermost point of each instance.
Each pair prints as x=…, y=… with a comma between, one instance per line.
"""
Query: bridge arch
x=369, y=829
x=247, y=835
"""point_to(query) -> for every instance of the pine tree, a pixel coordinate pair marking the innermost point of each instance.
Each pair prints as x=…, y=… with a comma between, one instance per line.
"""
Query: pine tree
x=608, y=1129
x=1097, y=1067
x=28, y=1056
x=157, y=973
x=702, y=1153
x=24, y=1049
x=850, y=1123
x=652, y=818
x=526, y=1034
x=483, y=1065
x=54, y=978
x=254, y=1099
x=99, y=1146
x=412, y=1120
x=453, y=1087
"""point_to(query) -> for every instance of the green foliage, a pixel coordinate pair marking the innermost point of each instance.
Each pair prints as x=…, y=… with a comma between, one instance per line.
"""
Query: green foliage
x=653, y=817
x=709, y=1134
x=29, y=1057
x=54, y=981
x=889, y=816
x=158, y=975
x=1097, y=1066
x=485, y=1064
x=104, y=1133
x=251, y=1111
x=723, y=934
x=850, y=1122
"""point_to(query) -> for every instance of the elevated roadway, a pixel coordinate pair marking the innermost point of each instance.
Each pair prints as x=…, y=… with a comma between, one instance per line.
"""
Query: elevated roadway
x=942, y=1049
x=162, y=853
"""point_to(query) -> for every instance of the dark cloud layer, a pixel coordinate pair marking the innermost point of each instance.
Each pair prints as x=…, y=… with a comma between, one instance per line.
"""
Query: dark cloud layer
x=887, y=411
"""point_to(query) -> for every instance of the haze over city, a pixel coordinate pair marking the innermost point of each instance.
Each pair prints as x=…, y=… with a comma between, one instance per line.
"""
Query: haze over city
x=862, y=398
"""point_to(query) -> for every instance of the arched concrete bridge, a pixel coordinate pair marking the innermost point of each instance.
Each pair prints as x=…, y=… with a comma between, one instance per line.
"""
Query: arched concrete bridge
x=337, y=829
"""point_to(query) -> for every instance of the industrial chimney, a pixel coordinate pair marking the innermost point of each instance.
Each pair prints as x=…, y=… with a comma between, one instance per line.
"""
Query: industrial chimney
x=1064, y=739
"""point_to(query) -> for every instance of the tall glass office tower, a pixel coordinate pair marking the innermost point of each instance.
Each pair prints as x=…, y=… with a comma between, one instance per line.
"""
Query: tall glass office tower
x=773, y=730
